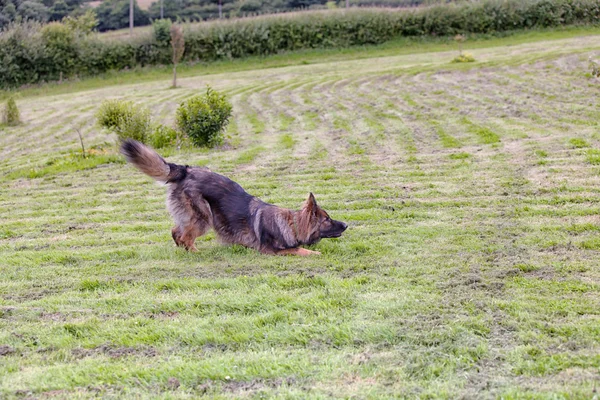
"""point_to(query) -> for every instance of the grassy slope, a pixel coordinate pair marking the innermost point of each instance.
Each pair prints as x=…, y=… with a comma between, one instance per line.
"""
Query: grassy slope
x=470, y=267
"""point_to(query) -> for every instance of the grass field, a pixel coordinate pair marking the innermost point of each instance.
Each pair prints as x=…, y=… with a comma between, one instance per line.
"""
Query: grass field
x=470, y=268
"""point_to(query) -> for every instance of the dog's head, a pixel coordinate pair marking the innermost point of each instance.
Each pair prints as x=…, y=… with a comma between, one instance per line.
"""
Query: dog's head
x=316, y=224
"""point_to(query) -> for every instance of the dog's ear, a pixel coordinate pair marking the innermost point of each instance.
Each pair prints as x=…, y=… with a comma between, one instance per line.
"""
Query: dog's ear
x=311, y=204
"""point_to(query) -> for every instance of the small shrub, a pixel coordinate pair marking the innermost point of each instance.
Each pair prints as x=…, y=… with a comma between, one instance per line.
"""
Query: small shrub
x=11, y=116
x=112, y=112
x=136, y=126
x=126, y=119
x=163, y=136
x=203, y=118
x=464, y=58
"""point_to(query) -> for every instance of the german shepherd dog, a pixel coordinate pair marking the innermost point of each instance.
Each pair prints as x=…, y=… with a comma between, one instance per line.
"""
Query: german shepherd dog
x=199, y=199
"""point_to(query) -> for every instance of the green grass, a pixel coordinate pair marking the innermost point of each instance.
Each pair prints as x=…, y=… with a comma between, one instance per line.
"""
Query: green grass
x=258, y=126
x=287, y=141
x=65, y=163
x=446, y=139
x=469, y=268
x=459, y=156
x=485, y=134
x=578, y=143
x=593, y=156
x=249, y=155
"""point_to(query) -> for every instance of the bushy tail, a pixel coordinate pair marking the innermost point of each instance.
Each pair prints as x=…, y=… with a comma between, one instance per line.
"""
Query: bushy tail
x=149, y=162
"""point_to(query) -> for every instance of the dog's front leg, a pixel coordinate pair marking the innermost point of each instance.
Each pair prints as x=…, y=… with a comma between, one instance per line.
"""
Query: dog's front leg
x=298, y=251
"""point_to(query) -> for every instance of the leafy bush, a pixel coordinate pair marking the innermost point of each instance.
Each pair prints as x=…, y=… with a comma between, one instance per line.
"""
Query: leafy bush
x=464, y=58
x=126, y=119
x=163, y=136
x=111, y=113
x=130, y=121
x=11, y=116
x=203, y=118
x=59, y=42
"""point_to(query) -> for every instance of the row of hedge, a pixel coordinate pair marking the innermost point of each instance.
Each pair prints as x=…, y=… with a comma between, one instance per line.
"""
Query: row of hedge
x=30, y=53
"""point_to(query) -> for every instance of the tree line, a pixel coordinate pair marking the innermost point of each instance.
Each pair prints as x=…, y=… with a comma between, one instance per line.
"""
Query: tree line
x=114, y=14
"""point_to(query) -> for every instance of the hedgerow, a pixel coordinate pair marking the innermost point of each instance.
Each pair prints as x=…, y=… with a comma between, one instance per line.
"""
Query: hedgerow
x=27, y=57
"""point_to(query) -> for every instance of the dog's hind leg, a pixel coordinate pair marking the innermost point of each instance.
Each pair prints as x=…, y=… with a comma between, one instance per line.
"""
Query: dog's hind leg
x=190, y=233
x=192, y=217
x=176, y=234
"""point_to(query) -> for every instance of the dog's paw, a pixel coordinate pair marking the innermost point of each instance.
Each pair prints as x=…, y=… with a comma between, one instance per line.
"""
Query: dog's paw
x=307, y=252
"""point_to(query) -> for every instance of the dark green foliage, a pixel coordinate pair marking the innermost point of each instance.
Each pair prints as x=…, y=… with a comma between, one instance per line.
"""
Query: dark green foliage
x=59, y=42
x=36, y=10
x=304, y=3
x=22, y=55
x=11, y=116
x=9, y=11
x=59, y=10
x=114, y=14
x=31, y=10
x=203, y=118
x=389, y=3
x=4, y=20
x=126, y=119
x=199, y=10
x=24, y=59
x=162, y=32
x=250, y=6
